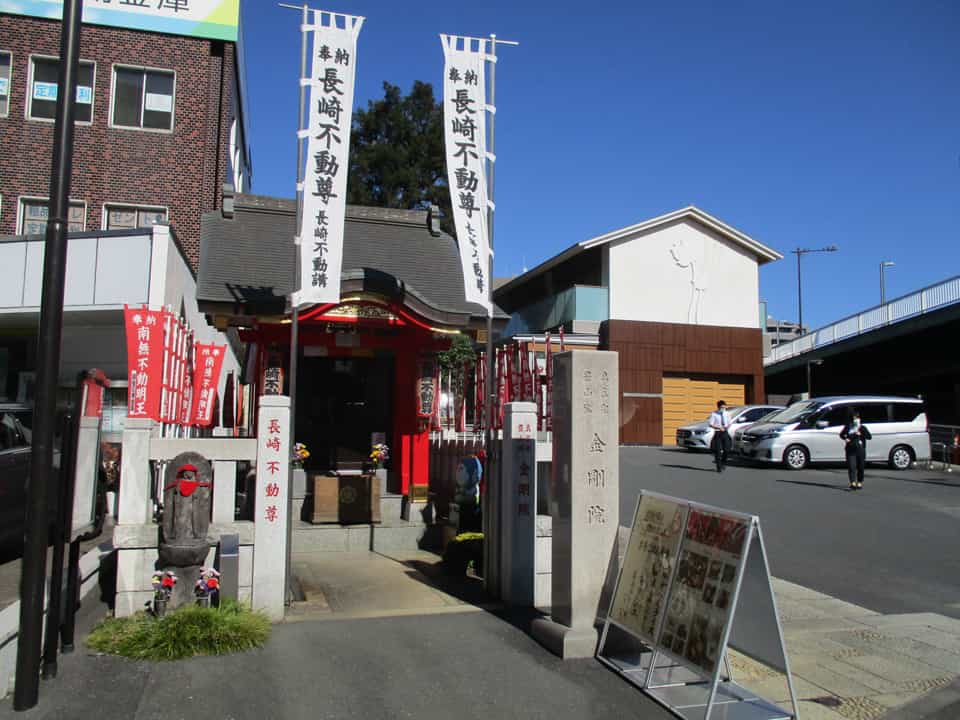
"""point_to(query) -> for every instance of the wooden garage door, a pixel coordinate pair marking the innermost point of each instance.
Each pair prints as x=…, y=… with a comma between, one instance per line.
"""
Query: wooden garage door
x=688, y=400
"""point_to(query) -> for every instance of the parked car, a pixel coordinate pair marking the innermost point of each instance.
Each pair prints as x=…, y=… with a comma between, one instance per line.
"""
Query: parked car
x=809, y=431
x=699, y=435
x=16, y=422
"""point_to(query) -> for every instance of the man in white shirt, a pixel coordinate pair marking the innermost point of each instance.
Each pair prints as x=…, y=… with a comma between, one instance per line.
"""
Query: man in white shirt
x=719, y=422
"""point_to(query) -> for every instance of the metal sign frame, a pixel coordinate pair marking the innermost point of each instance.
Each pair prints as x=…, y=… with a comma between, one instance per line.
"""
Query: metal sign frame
x=686, y=690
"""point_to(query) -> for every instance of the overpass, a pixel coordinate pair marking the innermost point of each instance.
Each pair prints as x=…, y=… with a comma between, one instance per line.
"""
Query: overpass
x=907, y=346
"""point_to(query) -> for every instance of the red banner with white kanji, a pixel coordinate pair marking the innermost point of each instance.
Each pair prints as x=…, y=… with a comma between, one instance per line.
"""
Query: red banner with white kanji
x=208, y=360
x=145, y=338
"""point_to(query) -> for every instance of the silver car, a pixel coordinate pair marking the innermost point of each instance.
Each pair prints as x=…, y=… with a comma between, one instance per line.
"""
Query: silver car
x=809, y=431
x=699, y=435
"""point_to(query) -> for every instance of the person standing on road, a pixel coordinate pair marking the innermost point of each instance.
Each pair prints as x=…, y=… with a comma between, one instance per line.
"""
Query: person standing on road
x=855, y=436
x=719, y=422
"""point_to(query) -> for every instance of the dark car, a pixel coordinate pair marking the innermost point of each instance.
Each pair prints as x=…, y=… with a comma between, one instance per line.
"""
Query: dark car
x=16, y=422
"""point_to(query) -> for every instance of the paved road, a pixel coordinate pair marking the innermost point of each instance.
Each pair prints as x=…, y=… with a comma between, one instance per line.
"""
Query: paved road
x=891, y=547
x=470, y=665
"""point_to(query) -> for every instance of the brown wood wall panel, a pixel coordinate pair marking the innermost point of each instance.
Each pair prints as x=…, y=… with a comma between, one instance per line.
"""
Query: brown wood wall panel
x=648, y=350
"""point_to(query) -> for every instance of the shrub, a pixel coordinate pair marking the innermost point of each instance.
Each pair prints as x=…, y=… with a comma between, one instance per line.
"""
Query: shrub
x=185, y=632
x=464, y=549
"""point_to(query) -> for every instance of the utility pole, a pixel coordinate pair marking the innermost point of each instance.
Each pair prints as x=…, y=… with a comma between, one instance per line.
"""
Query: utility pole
x=34, y=562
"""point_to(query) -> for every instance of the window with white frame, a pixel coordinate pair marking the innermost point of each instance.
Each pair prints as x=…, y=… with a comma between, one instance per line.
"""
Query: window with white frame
x=6, y=64
x=143, y=98
x=42, y=103
x=123, y=217
x=34, y=213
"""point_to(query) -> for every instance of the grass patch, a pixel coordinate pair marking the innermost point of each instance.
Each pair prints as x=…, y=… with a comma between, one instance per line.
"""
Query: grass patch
x=185, y=632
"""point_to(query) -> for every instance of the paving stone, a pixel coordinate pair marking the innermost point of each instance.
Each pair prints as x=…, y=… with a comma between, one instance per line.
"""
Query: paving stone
x=775, y=689
x=930, y=636
x=839, y=608
x=789, y=590
x=895, y=670
x=793, y=628
x=895, y=700
x=815, y=711
x=841, y=679
x=861, y=708
x=933, y=620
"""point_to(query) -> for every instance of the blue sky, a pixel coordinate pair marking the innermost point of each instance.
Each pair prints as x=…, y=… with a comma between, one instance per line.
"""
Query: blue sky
x=801, y=124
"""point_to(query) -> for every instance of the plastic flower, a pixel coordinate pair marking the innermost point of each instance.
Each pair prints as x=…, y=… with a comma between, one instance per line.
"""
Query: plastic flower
x=380, y=453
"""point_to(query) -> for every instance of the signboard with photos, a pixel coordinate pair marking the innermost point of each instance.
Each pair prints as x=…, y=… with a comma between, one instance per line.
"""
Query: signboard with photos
x=687, y=571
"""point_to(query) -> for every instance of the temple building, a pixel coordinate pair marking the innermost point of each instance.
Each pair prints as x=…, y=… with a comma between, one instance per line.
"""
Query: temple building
x=365, y=366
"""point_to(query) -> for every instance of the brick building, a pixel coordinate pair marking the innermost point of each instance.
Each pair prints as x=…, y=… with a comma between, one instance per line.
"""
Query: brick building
x=159, y=128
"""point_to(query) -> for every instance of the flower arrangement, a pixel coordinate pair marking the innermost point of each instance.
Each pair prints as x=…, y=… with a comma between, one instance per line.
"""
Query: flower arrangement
x=163, y=582
x=379, y=454
x=300, y=453
x=208, y=584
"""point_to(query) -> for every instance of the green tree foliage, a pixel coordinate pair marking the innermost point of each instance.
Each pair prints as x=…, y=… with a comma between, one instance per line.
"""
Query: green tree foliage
x=397, y=153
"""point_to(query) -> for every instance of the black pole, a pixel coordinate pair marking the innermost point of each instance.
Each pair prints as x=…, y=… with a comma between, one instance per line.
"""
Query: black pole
x=26, y=688
x=73, y=598
x=71, y=439
x=61, y=537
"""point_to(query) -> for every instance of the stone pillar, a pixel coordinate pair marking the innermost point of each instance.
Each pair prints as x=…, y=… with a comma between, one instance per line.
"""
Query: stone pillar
x=519, y=503
x=224, y=490
x=136, y=504
x=271, y=515
x=135, y=559
x=585, y=497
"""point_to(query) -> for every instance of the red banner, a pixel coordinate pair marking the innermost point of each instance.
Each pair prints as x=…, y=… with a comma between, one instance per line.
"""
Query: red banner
x=480, y=383
x=548, y=412
x=186, y=397
x=206, y=378
x=144, y=361
x=527, y=394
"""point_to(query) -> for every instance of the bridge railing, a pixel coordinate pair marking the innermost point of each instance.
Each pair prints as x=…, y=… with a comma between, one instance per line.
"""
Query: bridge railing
x=920, y=302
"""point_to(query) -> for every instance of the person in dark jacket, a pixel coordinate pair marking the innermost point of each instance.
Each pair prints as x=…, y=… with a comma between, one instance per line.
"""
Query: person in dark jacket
x=855, y=436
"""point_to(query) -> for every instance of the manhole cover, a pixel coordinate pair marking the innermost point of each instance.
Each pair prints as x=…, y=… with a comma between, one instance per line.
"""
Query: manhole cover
x=827, y=700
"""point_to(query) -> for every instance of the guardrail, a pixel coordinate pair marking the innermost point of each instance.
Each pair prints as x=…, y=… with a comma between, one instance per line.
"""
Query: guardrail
x=902, y=308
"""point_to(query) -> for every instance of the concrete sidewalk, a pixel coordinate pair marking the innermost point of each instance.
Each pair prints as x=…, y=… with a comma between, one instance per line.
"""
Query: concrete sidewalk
x=376, y=636
x=850, y=662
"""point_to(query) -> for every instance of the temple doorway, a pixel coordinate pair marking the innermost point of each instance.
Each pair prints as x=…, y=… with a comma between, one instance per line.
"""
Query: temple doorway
x=341, y=403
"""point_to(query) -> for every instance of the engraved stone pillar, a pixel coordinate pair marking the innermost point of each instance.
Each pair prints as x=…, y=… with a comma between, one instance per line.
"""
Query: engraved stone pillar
x=271, y=506
x=519, y=503
x=585, y=497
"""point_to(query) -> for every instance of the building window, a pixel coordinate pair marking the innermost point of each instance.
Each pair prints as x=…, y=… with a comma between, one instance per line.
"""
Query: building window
x=6, y=63
x=128, y=217
x=34, y=213
x=42, y=104
x=143, y=98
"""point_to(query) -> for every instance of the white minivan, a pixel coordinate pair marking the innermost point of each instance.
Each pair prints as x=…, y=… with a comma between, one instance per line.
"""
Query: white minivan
x=809, y=431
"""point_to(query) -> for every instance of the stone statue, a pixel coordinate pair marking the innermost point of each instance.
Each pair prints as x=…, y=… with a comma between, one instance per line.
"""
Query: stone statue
x=187, y=502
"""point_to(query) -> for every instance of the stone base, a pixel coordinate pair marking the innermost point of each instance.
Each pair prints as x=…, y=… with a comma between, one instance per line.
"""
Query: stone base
x=564, y=641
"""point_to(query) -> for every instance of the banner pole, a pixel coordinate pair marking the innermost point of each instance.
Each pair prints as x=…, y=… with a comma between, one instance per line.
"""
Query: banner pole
x=294, y=312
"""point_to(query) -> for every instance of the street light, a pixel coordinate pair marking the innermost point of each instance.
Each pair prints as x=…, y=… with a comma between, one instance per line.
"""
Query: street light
x=798, y=252
x=817, y=362
x=883, y=287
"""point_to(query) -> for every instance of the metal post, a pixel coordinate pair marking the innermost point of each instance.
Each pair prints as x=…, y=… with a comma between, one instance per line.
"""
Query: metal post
x=26, y=687
x=491, y=560
x=73, y=598
x=799, y=252
x=61, y=536
x=883, y=290
x=294, y=312
x=809, y=390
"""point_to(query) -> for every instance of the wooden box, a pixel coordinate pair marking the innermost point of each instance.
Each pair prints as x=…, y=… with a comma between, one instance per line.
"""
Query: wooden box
x=347, y=499
x=326, y=490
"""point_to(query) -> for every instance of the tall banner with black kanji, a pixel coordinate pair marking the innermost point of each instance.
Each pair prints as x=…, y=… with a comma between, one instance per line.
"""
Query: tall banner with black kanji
x=145, y=351
x=324, y=187
x=465, y=137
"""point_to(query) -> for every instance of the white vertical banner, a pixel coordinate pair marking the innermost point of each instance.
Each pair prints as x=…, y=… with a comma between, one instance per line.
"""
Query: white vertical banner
x=328, y=147
x=465, y=137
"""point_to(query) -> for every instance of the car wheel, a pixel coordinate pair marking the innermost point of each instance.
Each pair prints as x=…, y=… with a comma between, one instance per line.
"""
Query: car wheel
x=796, y=457
x=900, y=457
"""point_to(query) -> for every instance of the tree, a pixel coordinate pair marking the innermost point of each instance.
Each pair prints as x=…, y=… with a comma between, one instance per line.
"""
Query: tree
x=397, y=153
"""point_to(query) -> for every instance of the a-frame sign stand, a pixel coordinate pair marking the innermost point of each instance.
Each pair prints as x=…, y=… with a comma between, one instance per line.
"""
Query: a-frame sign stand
x=695, y=581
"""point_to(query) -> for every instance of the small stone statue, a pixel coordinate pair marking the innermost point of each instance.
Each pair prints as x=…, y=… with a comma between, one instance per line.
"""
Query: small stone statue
x=187, y=502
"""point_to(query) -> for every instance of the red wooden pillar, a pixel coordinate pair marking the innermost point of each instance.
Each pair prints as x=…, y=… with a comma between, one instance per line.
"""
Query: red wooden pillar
x=403, y=417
